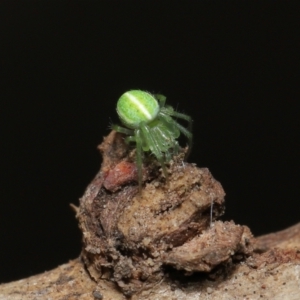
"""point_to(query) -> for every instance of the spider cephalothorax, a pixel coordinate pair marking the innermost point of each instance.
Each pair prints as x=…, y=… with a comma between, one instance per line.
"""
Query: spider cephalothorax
x=150, y=124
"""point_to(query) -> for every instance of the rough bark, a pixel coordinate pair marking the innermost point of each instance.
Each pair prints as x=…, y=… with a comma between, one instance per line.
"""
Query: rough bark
x=275, y=274
x=164, y=242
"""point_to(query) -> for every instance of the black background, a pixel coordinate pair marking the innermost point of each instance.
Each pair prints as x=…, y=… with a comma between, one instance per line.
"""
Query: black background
x=232, y=66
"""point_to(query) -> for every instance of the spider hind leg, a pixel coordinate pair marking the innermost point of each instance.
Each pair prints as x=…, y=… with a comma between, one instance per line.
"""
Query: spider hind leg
x=185, y=131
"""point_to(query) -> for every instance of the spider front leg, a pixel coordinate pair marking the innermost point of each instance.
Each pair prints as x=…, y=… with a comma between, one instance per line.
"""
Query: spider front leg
x=154, y=146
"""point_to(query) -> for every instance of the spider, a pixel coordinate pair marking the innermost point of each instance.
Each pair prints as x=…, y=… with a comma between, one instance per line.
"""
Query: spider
x=150, y=124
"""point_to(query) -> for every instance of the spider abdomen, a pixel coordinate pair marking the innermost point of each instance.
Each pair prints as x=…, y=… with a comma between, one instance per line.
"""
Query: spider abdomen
x=135, y=107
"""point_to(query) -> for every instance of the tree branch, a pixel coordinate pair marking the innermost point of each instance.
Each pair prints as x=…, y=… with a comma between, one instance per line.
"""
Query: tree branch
x=159, y=243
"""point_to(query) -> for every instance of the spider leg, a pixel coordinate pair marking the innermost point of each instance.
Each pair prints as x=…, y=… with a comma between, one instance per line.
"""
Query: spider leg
x=130, y=139
x=189, y=136
x=164, y=134
x=122, y=129
x=186, y=131
x=154, y=146
x=183, y=117
x=161, y=99
x=139, y=163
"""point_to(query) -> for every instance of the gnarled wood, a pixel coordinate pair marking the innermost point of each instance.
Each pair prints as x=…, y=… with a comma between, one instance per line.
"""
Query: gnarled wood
x=159, y=243
x=277, y=277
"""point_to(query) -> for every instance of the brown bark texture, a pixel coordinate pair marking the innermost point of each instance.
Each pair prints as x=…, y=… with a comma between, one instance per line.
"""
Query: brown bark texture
x=164, y=241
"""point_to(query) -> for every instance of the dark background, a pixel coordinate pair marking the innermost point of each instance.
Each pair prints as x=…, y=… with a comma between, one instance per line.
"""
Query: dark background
x=232, y=66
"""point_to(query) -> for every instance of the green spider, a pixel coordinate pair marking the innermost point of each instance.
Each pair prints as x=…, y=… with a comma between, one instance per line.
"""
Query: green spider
x=151, y=126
